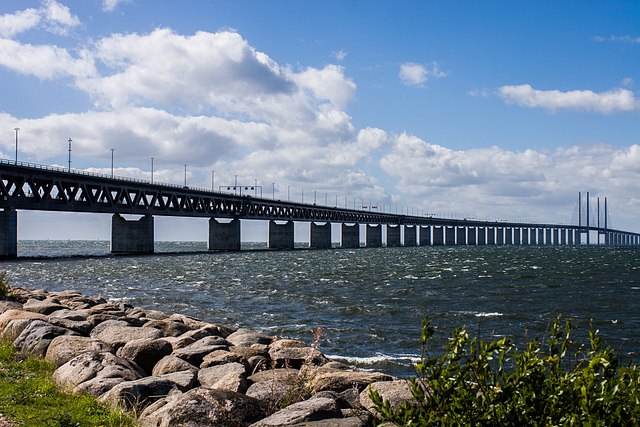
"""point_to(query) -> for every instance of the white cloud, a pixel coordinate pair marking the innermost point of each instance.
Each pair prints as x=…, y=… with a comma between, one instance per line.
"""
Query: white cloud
x=412, y=74
x=609, y=102
x=625, y=39
x=340, y=55
x=51, y=16
x=110, y=5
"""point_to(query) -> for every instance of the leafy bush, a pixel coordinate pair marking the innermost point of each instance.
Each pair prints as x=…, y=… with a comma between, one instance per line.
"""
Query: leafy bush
x=5, y=289
x=494, y=383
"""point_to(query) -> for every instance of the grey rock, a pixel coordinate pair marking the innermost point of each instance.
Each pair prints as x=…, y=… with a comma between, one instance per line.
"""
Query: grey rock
x=9, y=305
x=118, y=335
x=145, y=352
x=168, y=328
x=15, y=327
x=396, y=392
x=209, y=376
x=42, y=307
x=295, y=357
x=270, y=393
x=170, y=364
x=65, y=347
x=106, y=324
x=313, y=409
x=342, y=380
x=219, y=357
x=196, y=352
x=202, y=407
x=35, y=338
x=10, y=315
x=82, y=327
x=246, y=337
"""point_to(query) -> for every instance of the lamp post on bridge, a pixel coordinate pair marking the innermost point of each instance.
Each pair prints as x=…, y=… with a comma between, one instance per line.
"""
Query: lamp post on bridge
x=112, y=150
x=70, y=153
x=16, y=129
x=185, y=176
x=152, y=169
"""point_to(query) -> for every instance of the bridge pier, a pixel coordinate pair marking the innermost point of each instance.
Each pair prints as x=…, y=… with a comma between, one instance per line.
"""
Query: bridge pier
x=373, y=236
x=482, y=235
x=8, y=233
x=409, y=235
x=350, y=236
x=320, y=235
x=491, y=236
x=224, y=236
x=132, y=237
x=280, y=236
x=393, y=235
x=508, y=236
x=471, y=236
x=532, y=236
x=438, y=236
x=425, y=235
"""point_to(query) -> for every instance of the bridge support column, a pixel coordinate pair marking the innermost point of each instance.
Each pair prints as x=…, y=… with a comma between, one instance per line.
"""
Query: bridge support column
x=409, y=235
x=438, y=236
x=482, y=235
x=224, y=236
x=133, y=237
x=393, y=235
x=563, y=236
x=425, y=235
x=577, y=237
x=450, y=236
x=8, y=233
x=280, y=236
x=461, y=235
x=350, y=236
x=320, y=235
x=510, y=236
x=471, y=236
x=491, y=236
x=569, y=237
x=373, y=236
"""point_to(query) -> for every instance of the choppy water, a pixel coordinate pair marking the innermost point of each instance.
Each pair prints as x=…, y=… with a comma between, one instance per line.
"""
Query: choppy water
x=369, y=301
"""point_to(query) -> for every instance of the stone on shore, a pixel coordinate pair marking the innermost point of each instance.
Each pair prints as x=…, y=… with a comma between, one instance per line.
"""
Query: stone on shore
x=246, y=337
x=339, y=381
x=34, y=340
x=65, y=347
x=42, y=307
x=314, y=409
x=118, y=335
x=195, y=353
x=11, y=314
x=202, y=407
x=9, y=305
x=210, y=377
x=170, y=364
x=168, y=328
x=145, y=352
x=396, y=392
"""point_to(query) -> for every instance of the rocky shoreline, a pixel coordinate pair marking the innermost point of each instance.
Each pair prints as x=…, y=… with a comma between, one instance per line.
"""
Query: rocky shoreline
x=174, y=369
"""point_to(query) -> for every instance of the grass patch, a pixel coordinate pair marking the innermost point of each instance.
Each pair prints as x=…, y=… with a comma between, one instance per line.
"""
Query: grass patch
x=29, y=397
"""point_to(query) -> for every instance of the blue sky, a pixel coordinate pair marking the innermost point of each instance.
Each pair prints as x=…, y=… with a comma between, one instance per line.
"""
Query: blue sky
x=493, y=109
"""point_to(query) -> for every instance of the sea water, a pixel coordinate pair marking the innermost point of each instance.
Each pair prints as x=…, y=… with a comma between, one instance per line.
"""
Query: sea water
x=369, y=301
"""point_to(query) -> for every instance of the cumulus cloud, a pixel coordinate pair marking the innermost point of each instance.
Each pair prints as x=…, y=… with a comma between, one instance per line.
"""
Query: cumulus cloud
x=51, y=16
x=412, y=74
x=609, y=102
x=612, y=38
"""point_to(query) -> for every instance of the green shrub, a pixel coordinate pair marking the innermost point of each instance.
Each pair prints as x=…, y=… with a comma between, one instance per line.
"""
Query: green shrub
x=494, y=383
x=5, y=289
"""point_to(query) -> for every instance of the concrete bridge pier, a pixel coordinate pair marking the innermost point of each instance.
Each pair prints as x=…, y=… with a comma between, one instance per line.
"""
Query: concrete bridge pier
x=393, y=235
x=131, y=237
x=438, y=236
x=320, y=235
x=508, y=236
x=461, y=235
x=471, y=236
x=224, y=236
x=425, y=235
x=280, y=236
x=482, y=235
x=373, y=236
x=8, y=233
x=409, y=235
x=491, y=236
x=350, y=236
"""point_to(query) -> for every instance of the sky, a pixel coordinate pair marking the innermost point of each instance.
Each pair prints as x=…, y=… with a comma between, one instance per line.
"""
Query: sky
x=463, y=109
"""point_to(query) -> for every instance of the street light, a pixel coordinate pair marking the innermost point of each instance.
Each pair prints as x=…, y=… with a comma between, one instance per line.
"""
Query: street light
x=70, y=154
x=112, y=150
x=185, y=176
x=152, y=169
x=16, y=129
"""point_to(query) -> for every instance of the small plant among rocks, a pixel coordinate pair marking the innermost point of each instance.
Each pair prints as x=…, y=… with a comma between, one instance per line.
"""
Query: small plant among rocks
x=493, y=383
x=5, y=289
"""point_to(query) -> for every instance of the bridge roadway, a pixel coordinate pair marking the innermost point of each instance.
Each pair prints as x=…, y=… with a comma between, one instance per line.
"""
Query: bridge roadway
x=26, y=186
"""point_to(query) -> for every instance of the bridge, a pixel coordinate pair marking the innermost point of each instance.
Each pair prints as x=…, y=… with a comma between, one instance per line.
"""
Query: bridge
x=27, y=186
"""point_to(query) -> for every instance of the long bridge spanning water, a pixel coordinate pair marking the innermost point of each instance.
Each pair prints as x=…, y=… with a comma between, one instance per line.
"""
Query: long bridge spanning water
x=26, y=186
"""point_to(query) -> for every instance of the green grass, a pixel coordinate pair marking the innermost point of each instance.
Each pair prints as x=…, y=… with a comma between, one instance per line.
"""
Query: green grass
x=29, y=397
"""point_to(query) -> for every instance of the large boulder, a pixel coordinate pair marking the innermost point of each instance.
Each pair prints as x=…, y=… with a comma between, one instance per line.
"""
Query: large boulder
x=34, y=340
x=195, y=353
x=314, y=409
x=9, y=305
x=65, y=347
x=96, y=372
x=203, y=407
x=295, y=357
x=118, y=335
x=145, y=352
x=234, y=376
x=270, y=393
x=396, y=392
x=15, y=327
x=82, y=327
x=168, y=328
x=339, y=381
x=141, y=393
x=219, y=357
x=246, y=337
x=170, y=364
x=42, y=307
x=10, y=315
